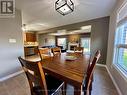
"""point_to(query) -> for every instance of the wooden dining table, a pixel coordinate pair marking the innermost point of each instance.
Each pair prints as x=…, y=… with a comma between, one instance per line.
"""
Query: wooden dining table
x=70, y=71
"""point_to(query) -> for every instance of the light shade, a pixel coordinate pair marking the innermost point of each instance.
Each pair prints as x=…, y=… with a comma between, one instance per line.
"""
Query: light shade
x=64, y=6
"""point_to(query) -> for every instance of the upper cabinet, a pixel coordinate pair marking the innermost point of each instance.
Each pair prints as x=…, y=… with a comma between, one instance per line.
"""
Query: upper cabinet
x=30, y=37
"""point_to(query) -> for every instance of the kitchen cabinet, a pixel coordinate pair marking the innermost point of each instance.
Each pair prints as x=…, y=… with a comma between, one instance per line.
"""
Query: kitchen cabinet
x=30, y=37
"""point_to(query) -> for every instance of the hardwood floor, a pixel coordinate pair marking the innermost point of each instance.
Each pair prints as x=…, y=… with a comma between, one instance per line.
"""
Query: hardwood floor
x=102, y=85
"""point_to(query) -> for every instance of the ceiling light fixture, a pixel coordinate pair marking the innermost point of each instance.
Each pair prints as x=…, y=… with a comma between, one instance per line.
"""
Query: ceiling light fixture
x=64, y=7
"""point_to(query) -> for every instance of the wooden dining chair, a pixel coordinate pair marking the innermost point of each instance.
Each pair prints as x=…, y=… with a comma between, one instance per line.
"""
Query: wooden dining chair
x=79, y=49
x=56, y=51
x=87, y=83
x=44, y=53
x=40, y=84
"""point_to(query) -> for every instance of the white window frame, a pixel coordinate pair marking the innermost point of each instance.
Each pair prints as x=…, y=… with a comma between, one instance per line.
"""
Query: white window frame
x=121, y=19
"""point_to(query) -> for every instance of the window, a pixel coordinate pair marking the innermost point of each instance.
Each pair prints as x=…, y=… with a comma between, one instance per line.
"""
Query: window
x=120, y=46
x=61, y=42
x=120, y=55
x=85, y=42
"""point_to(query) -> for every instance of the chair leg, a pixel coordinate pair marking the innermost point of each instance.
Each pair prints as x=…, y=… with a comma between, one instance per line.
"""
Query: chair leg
x=90, y=89
x=64, y=89
x=91, y=86
x=84, y=93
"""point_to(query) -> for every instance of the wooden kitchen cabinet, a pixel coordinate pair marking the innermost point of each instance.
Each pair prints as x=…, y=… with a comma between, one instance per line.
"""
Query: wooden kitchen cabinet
x=30, y=43
x=30, y=37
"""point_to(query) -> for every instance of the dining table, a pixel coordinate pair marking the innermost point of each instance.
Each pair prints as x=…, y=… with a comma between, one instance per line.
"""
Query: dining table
x=68, y=67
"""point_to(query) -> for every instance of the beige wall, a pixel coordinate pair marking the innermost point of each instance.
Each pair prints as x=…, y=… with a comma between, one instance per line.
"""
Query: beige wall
x=10, y=28
x=120, y=80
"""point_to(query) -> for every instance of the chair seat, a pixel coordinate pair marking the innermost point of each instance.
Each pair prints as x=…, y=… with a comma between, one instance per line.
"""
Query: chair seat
x=52, y=85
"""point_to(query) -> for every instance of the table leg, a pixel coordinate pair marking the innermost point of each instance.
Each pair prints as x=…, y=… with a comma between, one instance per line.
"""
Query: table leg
x=77, y=91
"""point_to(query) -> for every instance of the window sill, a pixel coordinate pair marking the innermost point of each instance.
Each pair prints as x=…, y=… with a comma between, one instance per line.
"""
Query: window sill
x=122, y=73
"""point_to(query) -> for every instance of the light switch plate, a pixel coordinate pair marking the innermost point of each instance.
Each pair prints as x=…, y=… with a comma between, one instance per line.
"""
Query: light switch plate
x=12, y=40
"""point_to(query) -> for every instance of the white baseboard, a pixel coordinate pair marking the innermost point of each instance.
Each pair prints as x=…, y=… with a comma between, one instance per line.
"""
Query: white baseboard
x=101, y=65
x=114, y=82
x=11, y=75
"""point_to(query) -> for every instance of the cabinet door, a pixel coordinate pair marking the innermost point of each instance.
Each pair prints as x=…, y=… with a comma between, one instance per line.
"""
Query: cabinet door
x=30, y=37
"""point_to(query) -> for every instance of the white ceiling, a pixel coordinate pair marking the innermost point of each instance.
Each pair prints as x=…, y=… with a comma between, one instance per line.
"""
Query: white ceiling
x=41, y=14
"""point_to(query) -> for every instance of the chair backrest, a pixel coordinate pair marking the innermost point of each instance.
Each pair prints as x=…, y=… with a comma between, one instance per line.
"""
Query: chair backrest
x=35, y=74
x=78, y=49
x=44, y=53
x=56, y=51
x=89, y=74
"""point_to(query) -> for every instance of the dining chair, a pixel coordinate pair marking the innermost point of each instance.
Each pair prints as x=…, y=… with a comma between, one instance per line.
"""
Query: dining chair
x=40, y=84
x=87, y=82
x=56, y=51
x=44, y=53
x=79, y=49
